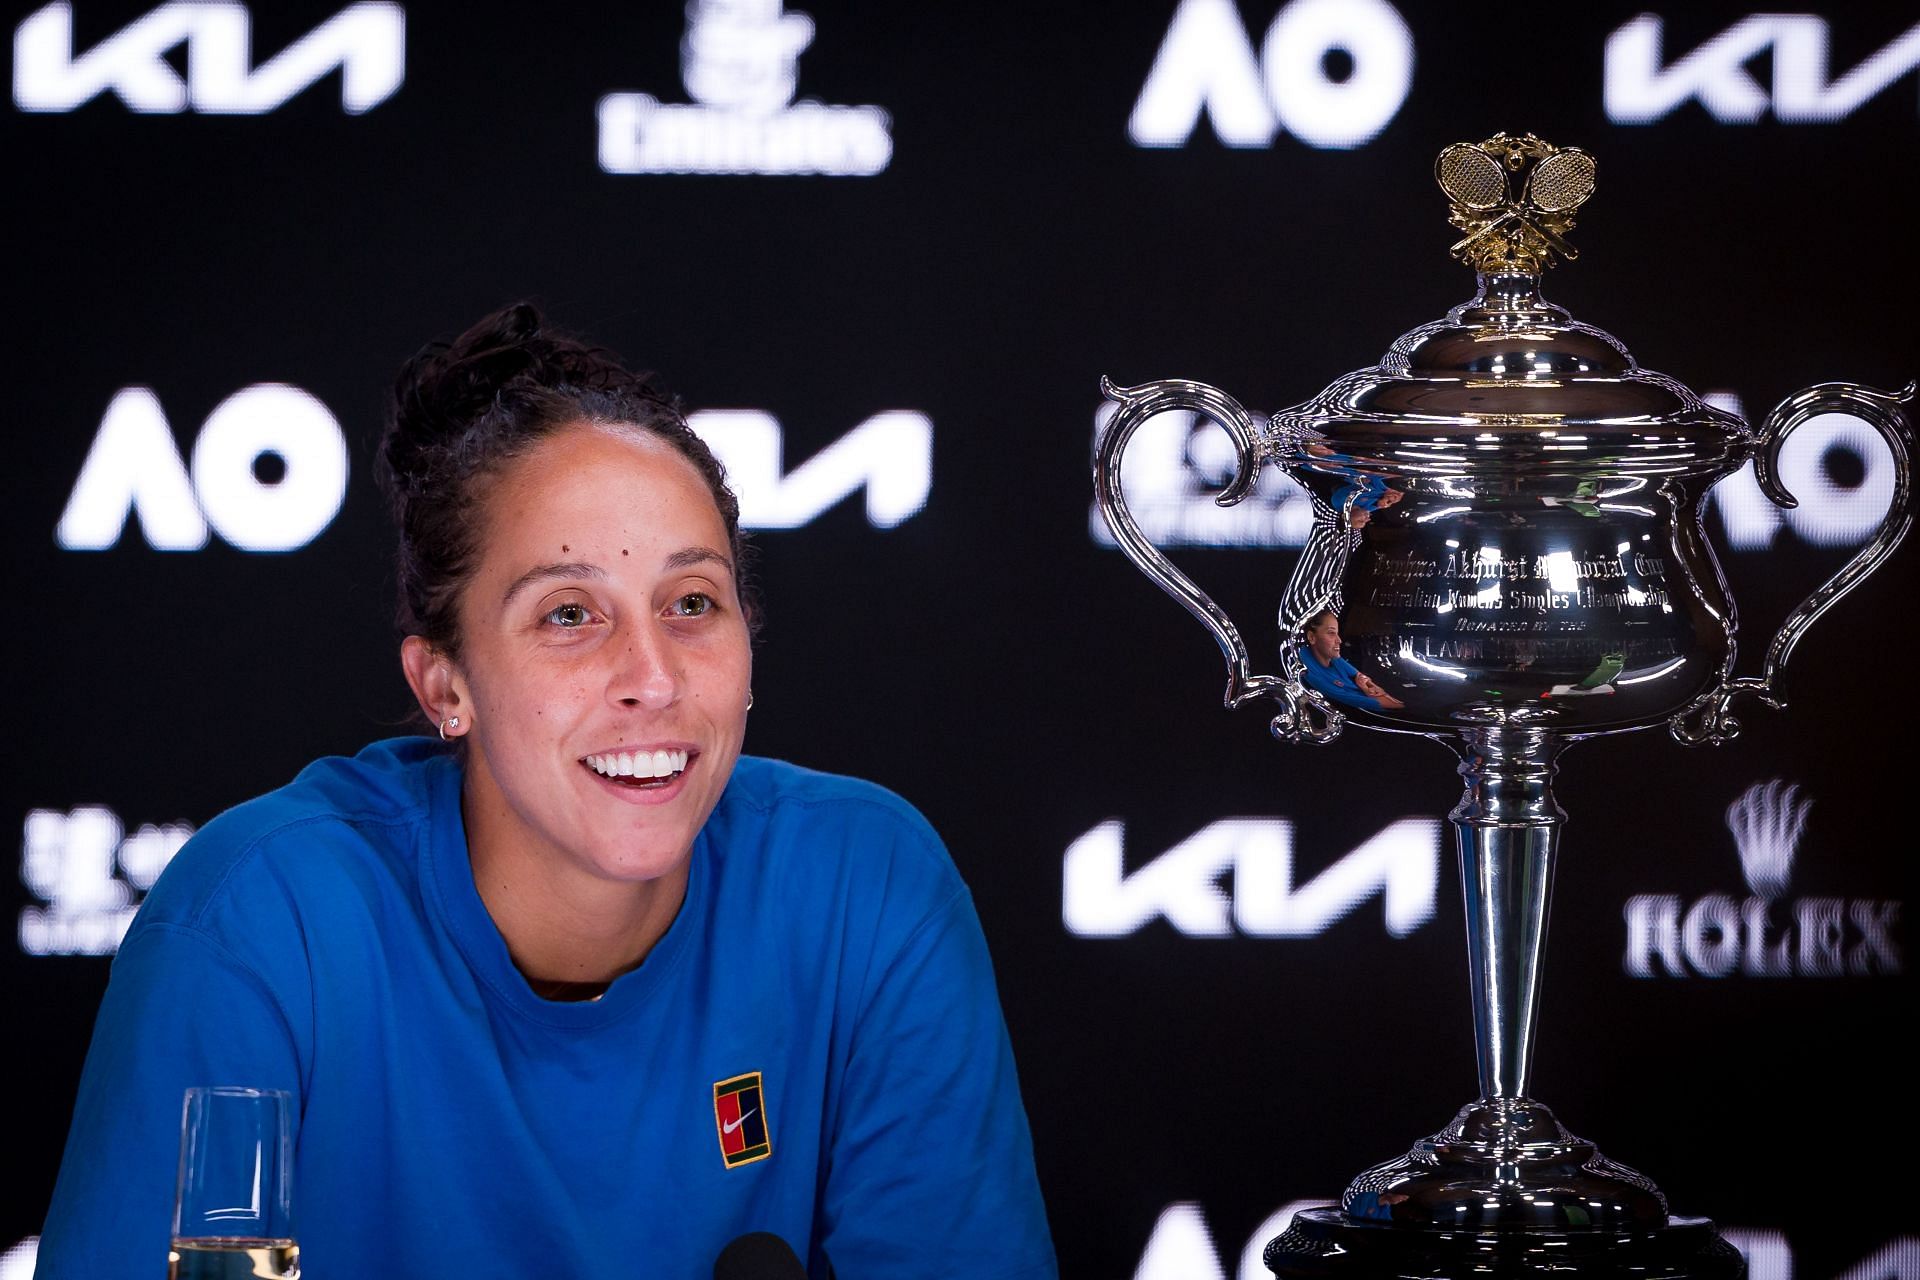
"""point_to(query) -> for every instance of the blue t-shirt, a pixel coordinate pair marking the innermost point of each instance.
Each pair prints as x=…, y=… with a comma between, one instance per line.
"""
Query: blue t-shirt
x=1336, y=680
x=1362, y=493
x=327, y=939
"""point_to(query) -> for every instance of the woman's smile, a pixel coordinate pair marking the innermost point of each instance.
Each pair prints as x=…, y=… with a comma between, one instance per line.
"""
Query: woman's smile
x=640, y=765
x=643, y=776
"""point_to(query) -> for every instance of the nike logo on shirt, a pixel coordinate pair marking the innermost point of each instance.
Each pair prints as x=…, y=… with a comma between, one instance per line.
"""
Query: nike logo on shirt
x=730, y=1125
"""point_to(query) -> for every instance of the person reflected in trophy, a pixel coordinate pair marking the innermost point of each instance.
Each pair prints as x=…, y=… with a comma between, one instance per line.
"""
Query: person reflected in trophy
x=1331, y=675
x=1357, y=502
x=1338, y=522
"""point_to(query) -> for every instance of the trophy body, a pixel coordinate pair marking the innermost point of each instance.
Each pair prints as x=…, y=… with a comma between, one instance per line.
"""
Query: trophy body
x=1507, y=555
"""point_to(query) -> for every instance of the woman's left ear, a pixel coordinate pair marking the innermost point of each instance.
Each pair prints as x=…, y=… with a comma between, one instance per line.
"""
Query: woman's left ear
x=436, y=686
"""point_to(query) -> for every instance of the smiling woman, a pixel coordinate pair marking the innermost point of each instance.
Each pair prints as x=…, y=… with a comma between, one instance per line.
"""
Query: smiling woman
x=600, y=621
x=576, y=986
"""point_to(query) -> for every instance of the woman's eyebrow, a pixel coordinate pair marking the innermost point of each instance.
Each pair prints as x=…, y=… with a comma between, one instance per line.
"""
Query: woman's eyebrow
x=547, y=572
x=687, y=557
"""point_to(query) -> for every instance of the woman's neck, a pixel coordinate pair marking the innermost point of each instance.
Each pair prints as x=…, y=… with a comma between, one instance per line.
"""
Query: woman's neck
x=570, y=931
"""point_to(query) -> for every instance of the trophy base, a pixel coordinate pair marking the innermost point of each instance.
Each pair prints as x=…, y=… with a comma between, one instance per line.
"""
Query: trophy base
x=1326, y=1244
x=1503, y=1191
x=1506, y=1164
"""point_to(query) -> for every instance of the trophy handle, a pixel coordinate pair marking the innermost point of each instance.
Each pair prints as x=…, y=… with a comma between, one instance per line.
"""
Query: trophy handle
x=1304, y=713
x=1708, y=718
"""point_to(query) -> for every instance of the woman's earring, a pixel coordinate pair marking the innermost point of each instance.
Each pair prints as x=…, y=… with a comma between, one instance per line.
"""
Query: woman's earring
x=749, y=699
x=453, y=722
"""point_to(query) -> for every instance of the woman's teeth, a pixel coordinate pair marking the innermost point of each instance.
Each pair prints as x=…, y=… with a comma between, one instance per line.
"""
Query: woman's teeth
x=641, y=766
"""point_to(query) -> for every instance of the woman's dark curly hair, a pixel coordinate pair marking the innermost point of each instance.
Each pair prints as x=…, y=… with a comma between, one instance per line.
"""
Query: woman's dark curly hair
x=462, y=410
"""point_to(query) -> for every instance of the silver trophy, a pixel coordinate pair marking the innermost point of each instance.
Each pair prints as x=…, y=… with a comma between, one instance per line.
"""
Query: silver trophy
x=1507, y=555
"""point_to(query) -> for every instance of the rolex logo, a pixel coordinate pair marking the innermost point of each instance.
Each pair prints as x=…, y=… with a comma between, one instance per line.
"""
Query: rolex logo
x=1767, y=935
x=1766, y=822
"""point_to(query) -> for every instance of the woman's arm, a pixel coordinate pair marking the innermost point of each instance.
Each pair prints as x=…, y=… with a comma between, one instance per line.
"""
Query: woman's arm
x=180, y=1010
x=1337, y=683
x=930, y=1165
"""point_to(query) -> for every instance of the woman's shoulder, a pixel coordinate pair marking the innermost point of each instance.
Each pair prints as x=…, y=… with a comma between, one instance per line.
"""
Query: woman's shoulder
x=338, y=815
x=827, y=824
x=775, y=786
x=782, y=791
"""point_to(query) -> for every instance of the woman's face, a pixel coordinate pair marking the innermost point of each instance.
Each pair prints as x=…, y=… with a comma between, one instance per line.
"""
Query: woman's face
x=604, y=659
x=1324, y=639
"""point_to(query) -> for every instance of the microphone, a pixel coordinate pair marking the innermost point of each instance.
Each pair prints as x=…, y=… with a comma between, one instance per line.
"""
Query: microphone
x=758, y=1255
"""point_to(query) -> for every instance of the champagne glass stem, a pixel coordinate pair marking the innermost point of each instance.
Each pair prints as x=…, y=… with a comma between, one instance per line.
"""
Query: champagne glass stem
x=1508, y=830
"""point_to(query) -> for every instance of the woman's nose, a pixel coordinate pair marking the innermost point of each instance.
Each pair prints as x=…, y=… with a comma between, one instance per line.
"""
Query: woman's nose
x=648, y=674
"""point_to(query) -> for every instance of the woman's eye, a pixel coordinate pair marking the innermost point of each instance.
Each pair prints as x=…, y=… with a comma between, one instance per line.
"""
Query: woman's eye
x=568, y=615
x=693, y=604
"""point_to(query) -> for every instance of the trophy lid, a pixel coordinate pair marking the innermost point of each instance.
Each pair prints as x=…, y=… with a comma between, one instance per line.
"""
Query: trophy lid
x=1508, y=379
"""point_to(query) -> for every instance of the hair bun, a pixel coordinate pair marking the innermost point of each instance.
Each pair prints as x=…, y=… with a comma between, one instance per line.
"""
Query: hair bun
x=447, y=386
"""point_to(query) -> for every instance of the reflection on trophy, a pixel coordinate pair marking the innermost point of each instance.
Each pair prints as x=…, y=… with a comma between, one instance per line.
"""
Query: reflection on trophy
x=1507, y=555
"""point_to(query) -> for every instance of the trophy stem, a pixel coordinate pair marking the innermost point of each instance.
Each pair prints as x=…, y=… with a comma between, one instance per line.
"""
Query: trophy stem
x=1505, y=1163
x=1508, y=828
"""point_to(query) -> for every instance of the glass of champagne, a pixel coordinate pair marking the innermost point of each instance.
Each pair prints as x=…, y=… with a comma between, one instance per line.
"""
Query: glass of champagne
x=233, y=1211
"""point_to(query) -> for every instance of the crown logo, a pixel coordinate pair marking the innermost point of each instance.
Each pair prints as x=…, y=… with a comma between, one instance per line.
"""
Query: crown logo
x=1766, y=821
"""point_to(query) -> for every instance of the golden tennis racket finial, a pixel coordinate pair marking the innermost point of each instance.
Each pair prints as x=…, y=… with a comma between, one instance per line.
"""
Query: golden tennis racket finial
x=1509, y=234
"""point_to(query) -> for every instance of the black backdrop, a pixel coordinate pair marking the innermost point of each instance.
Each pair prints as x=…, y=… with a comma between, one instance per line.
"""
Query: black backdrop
x=984, y=655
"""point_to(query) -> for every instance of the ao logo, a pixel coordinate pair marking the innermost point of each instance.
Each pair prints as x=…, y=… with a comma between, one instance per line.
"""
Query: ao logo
x=1641, y=91
x=134, y=468
x=365, y=42
x=1207, y=64
x=1181, y=1247
x=18, y=1262
x=890, y=455
x=1100, y=900
x=1830, y=514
